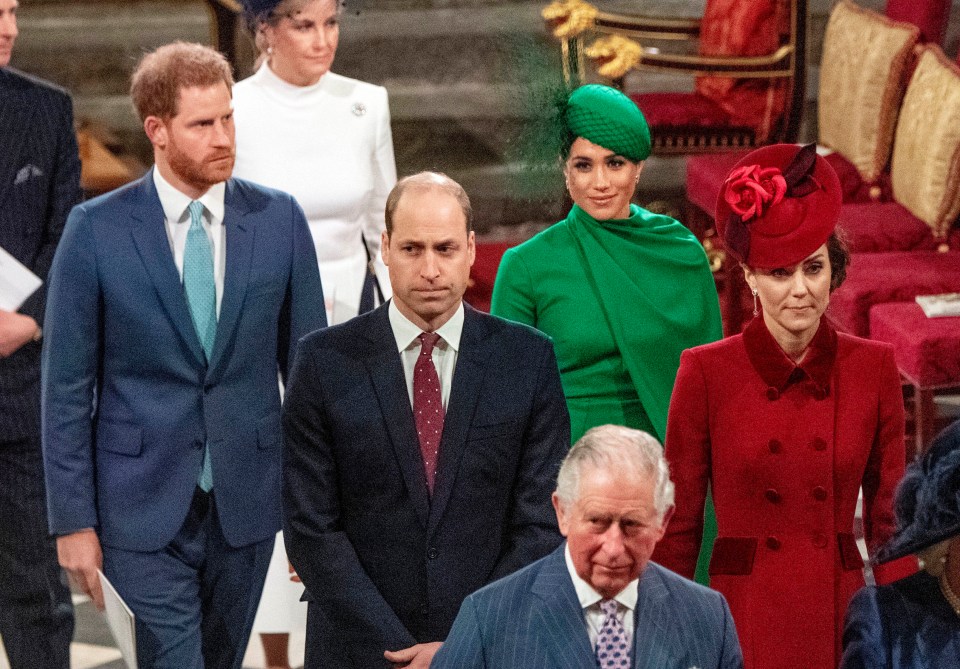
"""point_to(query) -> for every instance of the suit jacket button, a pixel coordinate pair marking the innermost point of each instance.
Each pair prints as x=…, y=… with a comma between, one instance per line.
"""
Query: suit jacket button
x=772, y=393
x=819, y=493
x=433, y=553
x=775, y=446
x=772, y=495
x=424, y=610
x=819, y=444
x=773, y=543
x=820, y=540
x=198, y=444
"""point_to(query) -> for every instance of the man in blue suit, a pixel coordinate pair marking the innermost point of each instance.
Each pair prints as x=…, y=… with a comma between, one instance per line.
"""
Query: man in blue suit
x=598, y=601
x=172, y=302
x=39, y=184
x=422, y=442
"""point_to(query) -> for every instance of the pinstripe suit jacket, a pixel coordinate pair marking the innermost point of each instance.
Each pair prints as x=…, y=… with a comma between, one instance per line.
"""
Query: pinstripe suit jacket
x=533, y=620
x=39, y=184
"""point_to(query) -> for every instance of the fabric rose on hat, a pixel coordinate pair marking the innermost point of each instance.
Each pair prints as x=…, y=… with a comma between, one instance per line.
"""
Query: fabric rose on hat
x=750, y=190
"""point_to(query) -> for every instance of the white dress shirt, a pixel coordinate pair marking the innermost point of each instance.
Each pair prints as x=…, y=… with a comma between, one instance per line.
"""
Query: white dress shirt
x=590, y=602
x=444, y=353
x=177, y=222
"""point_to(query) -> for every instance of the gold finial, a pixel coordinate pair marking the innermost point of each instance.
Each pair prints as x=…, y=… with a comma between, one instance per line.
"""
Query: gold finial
x=569, y=18
x=615, y=55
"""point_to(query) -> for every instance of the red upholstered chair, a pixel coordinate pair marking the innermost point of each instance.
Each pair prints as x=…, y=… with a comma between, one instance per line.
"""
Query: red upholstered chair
x=896, y=276
x=931, y=16
x=484, y=272
x=748, y=65
x=927, y=352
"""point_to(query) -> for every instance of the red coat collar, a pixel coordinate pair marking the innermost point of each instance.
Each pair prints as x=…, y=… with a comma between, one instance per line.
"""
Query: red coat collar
x=777, y=370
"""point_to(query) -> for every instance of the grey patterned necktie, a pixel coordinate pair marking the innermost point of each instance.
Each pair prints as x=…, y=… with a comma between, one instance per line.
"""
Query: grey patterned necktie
x=613, y=647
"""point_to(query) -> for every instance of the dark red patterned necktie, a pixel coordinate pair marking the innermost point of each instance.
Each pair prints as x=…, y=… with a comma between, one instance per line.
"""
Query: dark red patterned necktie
x=428, y=405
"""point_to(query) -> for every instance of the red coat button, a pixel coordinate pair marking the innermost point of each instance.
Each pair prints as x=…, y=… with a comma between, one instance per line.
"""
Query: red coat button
x=772, y=394
x=819, y=444
x=820, y=393
x=775, y=446
x=819, y=540
x=819, y=493
x=773, y=543
x=772, y=495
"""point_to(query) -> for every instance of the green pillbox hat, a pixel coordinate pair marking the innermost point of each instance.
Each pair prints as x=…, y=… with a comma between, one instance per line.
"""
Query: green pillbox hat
x=608, y=118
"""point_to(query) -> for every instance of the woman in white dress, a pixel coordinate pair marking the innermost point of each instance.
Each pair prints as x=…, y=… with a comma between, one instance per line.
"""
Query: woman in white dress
x=321, y=137
x=326, y=140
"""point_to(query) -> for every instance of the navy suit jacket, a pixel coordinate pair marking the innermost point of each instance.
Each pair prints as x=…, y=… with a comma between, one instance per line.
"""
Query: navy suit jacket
x=128, y=398
x=39, y=184
x=907, y=624
x=386, y=564
x=533, y=620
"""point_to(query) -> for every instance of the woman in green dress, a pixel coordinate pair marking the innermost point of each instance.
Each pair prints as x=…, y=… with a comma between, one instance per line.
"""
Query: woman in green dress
x=622, y=291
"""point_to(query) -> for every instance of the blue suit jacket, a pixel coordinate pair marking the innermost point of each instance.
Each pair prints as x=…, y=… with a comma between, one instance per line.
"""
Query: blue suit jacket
x=128, y=398
x=39, y=184
x=386, y=563
x=907, y=624
x=533, y=620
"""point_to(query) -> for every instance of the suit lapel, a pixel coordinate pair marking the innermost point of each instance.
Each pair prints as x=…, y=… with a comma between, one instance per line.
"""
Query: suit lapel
x=386, y=373
x=153, y=245
x=562, y=626
x=13, y=105
x=654, y=638
x=239, y=239
x=464, y=394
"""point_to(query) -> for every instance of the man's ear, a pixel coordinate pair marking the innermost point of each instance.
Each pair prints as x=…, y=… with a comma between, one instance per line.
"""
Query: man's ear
x=156, y=131
x=561, y=514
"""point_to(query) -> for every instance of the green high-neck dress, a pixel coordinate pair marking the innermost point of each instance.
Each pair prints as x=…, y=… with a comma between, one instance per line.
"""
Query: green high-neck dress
x=621, y=300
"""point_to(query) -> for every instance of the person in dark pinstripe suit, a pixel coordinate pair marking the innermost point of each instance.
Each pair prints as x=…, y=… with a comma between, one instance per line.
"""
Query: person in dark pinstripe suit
x=39, y=184
x=598, y=596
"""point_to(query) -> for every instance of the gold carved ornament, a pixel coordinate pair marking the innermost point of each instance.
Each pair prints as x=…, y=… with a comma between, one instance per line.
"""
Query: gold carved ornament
x=614, y=55
x=569, y=18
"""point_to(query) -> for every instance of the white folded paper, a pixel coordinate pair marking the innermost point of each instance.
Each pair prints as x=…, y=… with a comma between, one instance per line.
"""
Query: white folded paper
x=938, y=306
x=120, y=620
x=17, y=283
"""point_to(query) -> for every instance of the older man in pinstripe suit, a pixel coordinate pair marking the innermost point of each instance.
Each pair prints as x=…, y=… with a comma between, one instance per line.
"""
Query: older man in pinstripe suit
x=39, y=183
x=597, y=601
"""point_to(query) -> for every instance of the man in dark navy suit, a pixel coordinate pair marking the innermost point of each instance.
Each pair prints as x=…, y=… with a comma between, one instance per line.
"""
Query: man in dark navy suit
x=422, y=443
x=173, y=301
x=39, y=183
x=598, y=601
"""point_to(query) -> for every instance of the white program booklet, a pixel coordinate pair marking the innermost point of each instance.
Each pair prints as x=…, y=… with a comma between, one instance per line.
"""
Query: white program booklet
x=120, y=620
x=17, y=283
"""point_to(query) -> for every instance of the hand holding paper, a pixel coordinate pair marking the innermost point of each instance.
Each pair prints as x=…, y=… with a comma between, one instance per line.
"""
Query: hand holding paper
x=17, y=283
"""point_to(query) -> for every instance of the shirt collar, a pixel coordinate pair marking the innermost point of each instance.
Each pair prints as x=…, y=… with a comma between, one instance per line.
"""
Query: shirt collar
x=175, y=203
x=777, y=370
x=406, y=332
x=589, y=597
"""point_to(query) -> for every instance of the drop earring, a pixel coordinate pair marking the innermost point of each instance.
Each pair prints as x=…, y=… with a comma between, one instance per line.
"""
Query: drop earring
x=756, y=310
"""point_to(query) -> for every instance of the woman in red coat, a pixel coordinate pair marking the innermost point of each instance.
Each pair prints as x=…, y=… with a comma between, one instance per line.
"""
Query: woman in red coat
x=786, y=422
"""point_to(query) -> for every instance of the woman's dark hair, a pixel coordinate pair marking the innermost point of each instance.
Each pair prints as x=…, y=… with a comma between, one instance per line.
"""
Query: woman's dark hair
x=839, y=254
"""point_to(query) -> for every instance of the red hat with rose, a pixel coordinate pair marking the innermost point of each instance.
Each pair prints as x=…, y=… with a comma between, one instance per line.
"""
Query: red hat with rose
x=778, y=205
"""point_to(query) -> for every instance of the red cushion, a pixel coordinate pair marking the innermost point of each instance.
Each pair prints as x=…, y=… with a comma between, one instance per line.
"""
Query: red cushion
x=876, y=278
x=705, y=177
x=484, y=272
x=854, y=188
x=930, y=16
x=680, y=110
x=884, y=226
x=927, y=349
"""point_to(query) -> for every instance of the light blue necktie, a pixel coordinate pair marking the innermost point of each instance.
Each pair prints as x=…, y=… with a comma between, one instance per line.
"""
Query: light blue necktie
x=201, y=292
